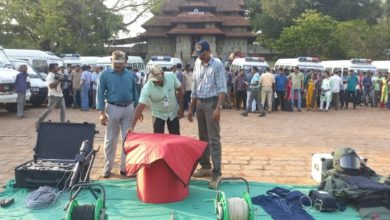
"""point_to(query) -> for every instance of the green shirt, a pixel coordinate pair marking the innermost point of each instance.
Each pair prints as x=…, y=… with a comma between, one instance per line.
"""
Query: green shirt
x=376, y=84
x=297, y=80
x=352, y=81
x=157, y=96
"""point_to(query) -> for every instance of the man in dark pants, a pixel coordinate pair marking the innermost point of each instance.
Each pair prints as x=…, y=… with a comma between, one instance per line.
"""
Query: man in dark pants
x=352, y=81
x=209, y=88
x=281, y=88
x=160, y=92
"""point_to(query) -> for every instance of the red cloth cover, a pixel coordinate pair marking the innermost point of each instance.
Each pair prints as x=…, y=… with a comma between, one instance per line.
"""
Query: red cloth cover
x=164, y=163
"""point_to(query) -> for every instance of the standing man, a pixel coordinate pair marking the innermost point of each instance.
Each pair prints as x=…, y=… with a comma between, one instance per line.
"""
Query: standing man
x=187, y=86
x=296, y=88
x=208, y=94
x=86, y=79
x=254, y=91
x=55, y=96
x=240, y=90
x=352, y=82
x=229, y=83
x=21, y=86
x=281, y=88
x=95, y=79
x=267, y=84
x=160, y=92
x=116, y=97
x=377, y=88
x=367, y=90
x=75, y=77
x=337, y=84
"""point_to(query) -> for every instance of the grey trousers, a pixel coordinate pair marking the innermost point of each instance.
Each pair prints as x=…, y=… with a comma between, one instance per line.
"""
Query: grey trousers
x=21, y=101
x=53, y=102
x=119, y=119
x=209, y=132
x=255, y=95
x=336, y=100
x=267, y=93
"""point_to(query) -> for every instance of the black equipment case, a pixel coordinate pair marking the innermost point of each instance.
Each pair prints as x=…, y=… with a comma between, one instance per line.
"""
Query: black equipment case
x=54, y=155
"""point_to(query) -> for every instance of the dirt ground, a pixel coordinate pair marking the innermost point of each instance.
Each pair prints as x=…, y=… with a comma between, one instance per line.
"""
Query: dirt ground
x=277, y=148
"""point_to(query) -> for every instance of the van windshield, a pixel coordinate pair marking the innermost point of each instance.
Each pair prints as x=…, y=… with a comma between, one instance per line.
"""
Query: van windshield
x=40, y=66
x=247, y=69
x=4, y=62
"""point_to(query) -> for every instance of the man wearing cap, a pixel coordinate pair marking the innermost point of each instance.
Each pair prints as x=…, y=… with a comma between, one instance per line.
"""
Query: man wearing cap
x=209, y=88
x=160, y=92
x=115, y=100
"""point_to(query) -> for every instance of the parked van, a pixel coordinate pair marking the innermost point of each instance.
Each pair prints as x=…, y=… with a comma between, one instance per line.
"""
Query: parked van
x=382, y=65
x=38, y=59
x=38, y=85
x=247, y=63
x=134, y=62
x=7, y=83
x=71, y=59
x=304, y=63
x=355, y=64
x=163, y=61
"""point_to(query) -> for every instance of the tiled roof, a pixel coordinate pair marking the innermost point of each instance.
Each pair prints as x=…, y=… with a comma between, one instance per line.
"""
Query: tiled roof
x=159, y=20
x=221, y=5
x=230, y=21
x=240, y=34
x=186, y=17
x=153, y=34
x=204, y=31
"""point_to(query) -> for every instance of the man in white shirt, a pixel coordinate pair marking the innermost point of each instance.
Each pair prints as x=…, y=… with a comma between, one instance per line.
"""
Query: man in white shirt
x=95, y=79
x=55, y=96
x=337, y=84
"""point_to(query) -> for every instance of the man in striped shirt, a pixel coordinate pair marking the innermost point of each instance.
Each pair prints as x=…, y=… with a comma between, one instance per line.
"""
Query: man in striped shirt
x=208, y=94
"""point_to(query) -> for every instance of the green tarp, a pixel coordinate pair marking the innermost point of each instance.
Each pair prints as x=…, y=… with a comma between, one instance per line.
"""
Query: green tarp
x=122, y=203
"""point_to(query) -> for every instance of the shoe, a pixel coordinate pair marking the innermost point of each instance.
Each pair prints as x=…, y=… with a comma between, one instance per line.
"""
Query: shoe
x=243, y=114
x=262, y=114
x=202, y=173
x=299, y=110
x=122, y=173
x=213, y=184
x=106, y=175
x=19, y=117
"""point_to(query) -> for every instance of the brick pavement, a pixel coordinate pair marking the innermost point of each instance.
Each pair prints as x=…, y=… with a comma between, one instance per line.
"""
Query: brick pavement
x=276, y=148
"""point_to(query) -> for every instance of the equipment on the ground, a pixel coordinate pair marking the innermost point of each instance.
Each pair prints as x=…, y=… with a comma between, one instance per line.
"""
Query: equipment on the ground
x=96, y=211
x=320, y=163
x=54, y=163
x=42, y=197
x=4, y=203
x=323, y=201
x=234, y=208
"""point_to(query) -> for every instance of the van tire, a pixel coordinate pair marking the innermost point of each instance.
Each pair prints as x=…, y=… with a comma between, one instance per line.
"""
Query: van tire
x=11, y=107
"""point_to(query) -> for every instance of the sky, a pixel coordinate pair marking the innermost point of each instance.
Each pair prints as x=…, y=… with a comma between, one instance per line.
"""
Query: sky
x=128, y=14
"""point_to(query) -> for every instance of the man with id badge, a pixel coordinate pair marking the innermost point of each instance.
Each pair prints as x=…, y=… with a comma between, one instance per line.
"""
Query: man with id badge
x=160, y=93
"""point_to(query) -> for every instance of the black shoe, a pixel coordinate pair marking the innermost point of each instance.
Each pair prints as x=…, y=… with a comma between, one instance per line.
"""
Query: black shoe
x=262, y=115
x=106, y=175
x=123, y=173
x=299, y=110
x=244, y=114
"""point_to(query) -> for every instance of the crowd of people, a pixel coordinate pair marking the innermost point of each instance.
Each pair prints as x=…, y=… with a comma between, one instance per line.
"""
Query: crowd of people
x=285, y=89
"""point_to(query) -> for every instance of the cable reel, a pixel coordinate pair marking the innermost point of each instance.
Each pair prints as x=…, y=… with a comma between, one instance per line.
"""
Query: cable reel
x=234, y=208
x=96, y=211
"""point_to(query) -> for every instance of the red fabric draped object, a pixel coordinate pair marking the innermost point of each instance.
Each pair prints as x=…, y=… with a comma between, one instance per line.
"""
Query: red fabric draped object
x=164, y=164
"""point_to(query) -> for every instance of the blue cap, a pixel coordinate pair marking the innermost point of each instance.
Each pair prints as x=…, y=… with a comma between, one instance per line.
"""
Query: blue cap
x=202, y=47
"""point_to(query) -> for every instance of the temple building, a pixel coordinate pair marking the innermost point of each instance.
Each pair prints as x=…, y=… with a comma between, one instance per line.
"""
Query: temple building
x=181, y=23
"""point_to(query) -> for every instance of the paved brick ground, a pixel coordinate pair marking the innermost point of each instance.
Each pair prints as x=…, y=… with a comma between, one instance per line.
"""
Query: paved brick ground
x=276, y=148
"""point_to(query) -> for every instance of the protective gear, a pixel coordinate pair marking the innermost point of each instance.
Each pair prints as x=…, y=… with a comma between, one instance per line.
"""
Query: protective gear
x=346, y=160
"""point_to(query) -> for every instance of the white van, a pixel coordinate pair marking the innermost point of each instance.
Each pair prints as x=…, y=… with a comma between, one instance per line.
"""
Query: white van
x=38, y=85
x=90, y=61
x=382, y=65
x=134, y=62
x=38, y=59
x=7, y=83
x=247, y=63
x=71, y=59
x=304, y=63
x=163, y=61
x=344, y=66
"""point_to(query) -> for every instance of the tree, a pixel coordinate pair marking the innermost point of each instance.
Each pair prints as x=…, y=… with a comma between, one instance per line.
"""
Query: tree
x=358, y=39
x=59, y=25
x=309, y=36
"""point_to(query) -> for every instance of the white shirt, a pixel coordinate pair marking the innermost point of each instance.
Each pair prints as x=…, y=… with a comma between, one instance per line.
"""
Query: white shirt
x=53, y=91
x=337, y=83
x=139, y=76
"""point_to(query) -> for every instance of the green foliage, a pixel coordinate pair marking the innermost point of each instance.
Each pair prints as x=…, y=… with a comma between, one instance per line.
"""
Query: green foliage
x=309, y=36
x=58, y=25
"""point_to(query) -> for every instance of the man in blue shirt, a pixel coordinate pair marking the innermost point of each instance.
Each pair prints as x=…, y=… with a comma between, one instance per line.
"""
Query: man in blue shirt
x=281, y=88
x=352, y=81
x=86, y=79
x=254, y=91
x=209, y=88
x=21, y=86
x=116, y=97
